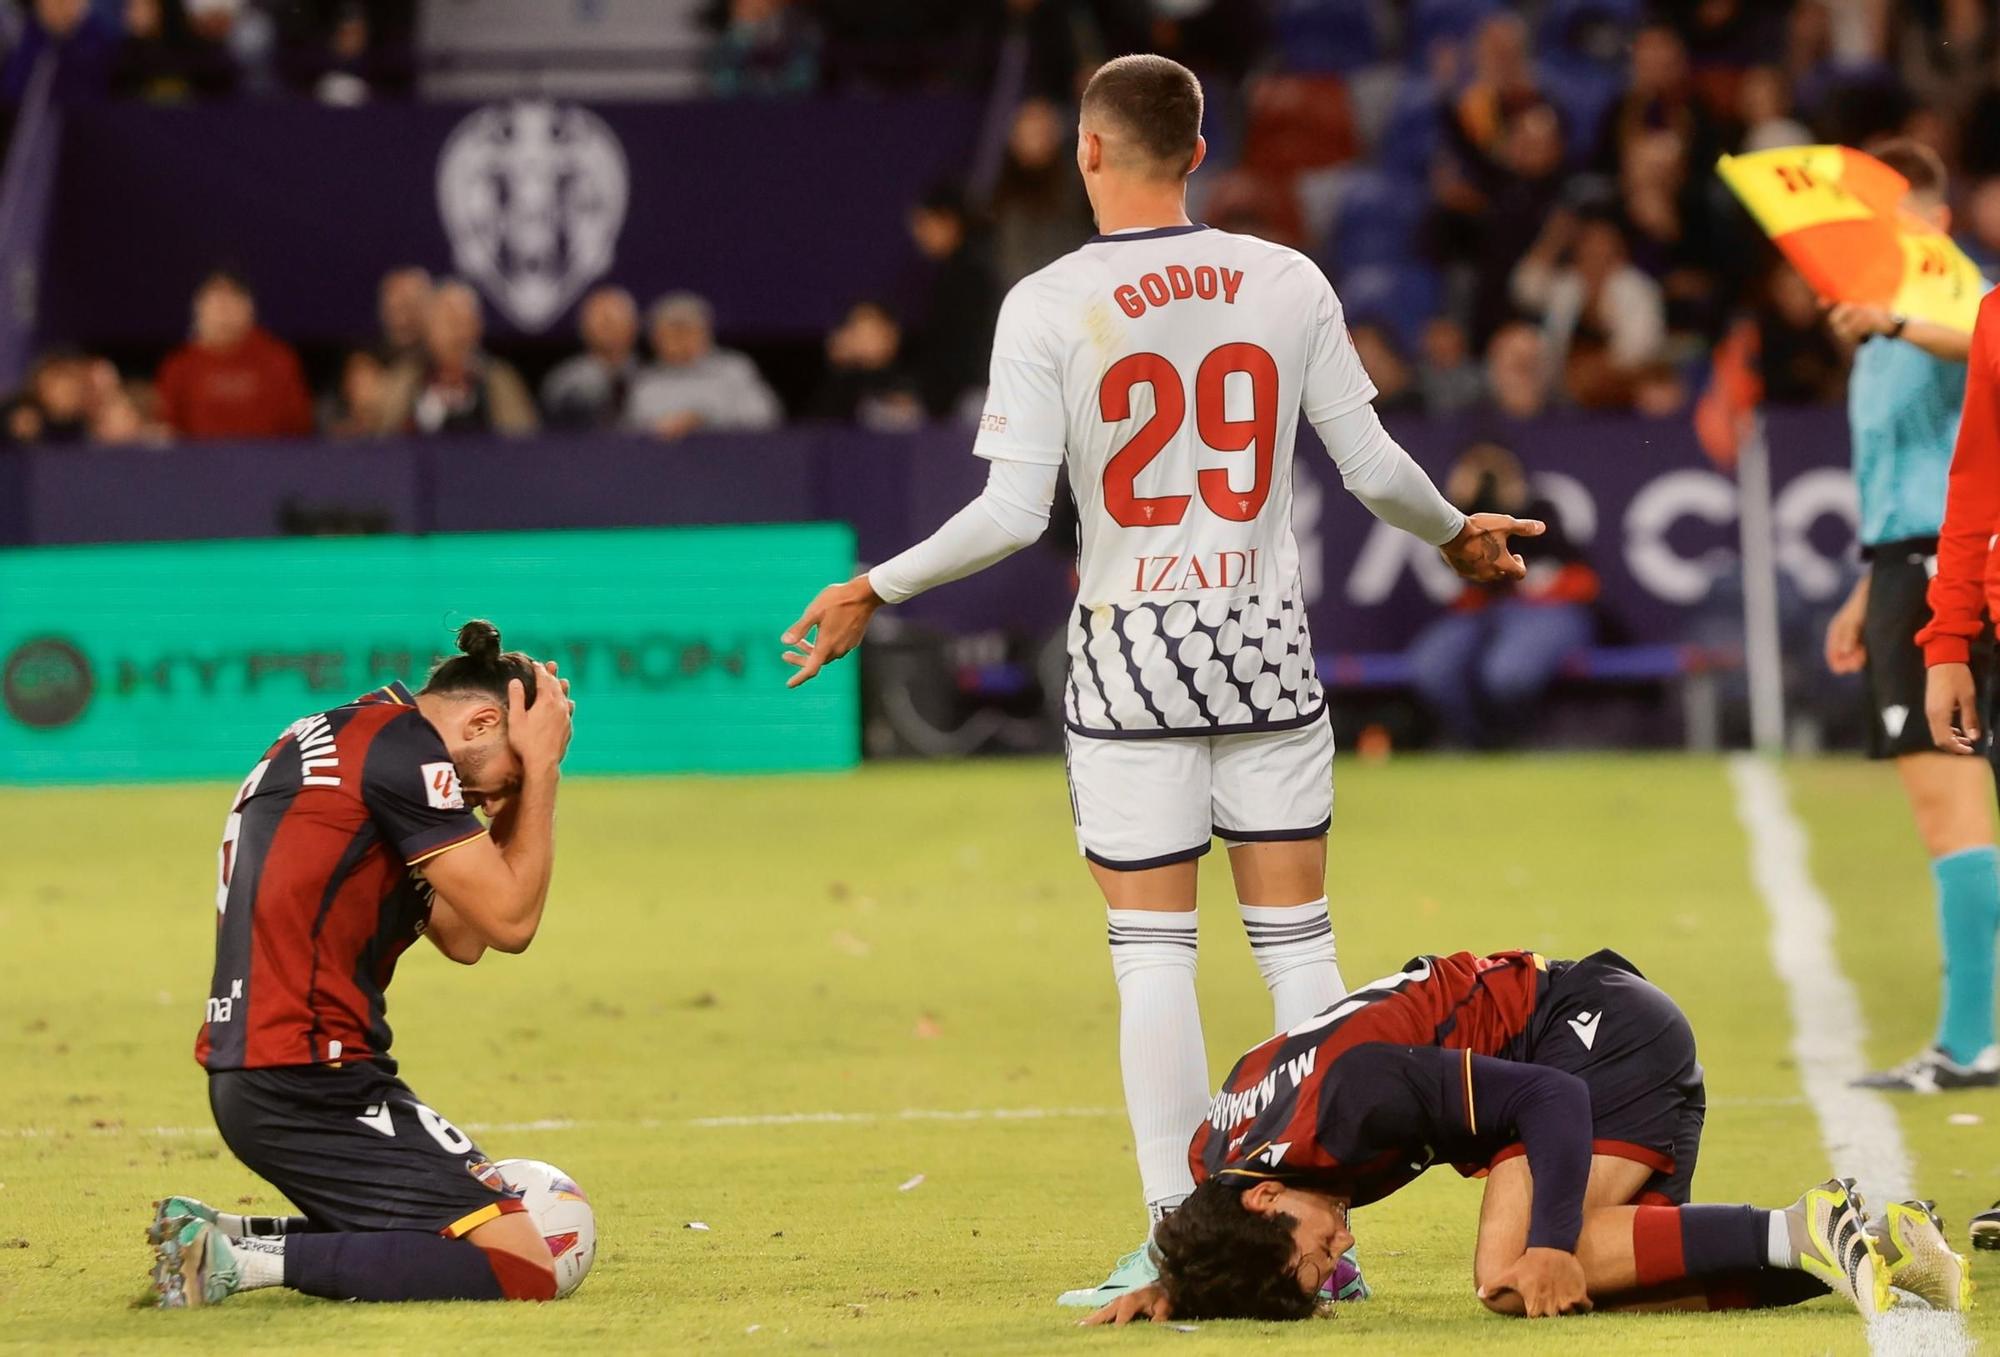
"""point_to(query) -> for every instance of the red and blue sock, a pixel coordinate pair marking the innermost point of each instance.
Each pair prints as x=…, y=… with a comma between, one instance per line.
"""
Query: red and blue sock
x=1727, y=1247
x=393, y=1265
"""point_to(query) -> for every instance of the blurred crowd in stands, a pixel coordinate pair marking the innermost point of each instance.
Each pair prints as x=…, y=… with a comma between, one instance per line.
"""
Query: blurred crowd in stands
x=1516, y=201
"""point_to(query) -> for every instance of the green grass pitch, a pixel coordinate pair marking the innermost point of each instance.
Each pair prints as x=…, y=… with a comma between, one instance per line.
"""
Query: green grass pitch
x=897, y=945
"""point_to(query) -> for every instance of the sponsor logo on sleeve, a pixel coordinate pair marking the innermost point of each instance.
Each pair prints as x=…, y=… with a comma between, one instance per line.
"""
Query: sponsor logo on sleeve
x=441, y=787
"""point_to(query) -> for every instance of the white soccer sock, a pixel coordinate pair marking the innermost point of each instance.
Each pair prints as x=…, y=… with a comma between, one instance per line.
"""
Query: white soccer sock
x=1160, y=1048
x=1293, y=945
x=260, y=1262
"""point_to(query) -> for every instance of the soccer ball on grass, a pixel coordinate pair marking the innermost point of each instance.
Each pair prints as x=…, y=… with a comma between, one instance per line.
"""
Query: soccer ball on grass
x=561, y=1212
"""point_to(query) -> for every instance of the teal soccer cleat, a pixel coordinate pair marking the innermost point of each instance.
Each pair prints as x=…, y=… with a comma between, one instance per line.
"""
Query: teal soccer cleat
x=193, y=1265
x=170, y=1214
x=1133, y=1271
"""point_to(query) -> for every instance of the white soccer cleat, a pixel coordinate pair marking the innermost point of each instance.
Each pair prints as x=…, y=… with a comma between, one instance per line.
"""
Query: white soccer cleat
x=1916, y=1258
x=1834, y=1245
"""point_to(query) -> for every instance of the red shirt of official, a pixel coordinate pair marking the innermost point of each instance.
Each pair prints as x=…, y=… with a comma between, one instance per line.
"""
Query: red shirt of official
x=253, y=389
x=1965, y=585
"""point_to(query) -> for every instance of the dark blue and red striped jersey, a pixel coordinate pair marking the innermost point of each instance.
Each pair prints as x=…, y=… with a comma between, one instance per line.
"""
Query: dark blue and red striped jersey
x=318, y=893
x=1367, y=1095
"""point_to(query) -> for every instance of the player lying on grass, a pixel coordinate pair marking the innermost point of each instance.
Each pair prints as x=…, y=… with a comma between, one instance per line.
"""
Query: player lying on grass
x=1573, y=1087
x=353, y=835
x=1167, y=366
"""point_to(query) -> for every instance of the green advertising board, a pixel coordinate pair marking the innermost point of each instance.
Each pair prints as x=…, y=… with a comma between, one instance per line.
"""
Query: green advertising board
x=184, y=660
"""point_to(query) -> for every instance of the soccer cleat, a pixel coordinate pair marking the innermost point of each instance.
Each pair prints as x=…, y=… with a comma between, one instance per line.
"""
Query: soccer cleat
x=1932, y=1071
x=193, y=1265
x=1834, y=1246
x=1916, y=1258
x=1134, y=1270
x=1986, y=1228
x=1346, y=1283
x=171, y=1213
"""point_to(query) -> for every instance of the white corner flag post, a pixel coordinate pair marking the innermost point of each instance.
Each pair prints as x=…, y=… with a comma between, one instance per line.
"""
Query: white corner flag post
x=1763, y=654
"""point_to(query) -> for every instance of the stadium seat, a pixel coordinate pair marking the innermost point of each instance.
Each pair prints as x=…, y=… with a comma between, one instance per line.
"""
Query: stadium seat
x=1564, y=22
x=1376, y=220
x=1260, y=204
x=1403, y=297
x=1222, y=120
x=1435, y=21
x=1317, y=36
x=1298, y=123
x=1582, y=92
x=1410, y=136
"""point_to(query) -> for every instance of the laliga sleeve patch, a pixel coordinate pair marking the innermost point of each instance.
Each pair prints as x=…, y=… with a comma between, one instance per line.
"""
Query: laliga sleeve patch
x=441, y=787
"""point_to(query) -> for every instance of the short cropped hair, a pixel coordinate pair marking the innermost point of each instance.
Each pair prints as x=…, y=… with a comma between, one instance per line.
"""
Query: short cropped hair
x=681, y=306
x=1916, y=162
x=1154, y=104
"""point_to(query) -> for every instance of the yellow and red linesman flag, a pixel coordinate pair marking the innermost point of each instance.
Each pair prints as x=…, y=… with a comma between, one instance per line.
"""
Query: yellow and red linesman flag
x=1837, y=214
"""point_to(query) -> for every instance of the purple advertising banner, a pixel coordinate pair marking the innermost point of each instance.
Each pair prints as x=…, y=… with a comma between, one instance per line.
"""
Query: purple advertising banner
x=532, y=200
x=1655, y=518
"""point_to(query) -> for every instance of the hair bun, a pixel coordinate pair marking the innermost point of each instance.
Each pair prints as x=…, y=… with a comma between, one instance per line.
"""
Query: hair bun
x=481, y=640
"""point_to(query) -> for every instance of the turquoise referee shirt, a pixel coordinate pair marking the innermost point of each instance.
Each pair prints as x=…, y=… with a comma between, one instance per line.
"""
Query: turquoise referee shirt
x=1902, y=412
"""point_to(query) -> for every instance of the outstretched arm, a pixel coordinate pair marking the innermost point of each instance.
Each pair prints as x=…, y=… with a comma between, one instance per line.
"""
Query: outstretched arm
x=1387, y=480
x=1009, y=514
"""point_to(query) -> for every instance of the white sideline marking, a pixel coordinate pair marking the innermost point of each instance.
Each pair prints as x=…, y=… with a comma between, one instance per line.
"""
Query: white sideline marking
x=741, y=1119
x=909, y=1114
x=648, y=1123
x=1857, y=1125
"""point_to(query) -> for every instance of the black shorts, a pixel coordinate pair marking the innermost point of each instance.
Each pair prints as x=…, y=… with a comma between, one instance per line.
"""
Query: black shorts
x=1605, y=1023
x=355, y=1149
x=1899, y=578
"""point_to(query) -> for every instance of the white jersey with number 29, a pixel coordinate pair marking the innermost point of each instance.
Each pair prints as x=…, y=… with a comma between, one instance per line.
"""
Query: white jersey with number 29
x=1167, y=369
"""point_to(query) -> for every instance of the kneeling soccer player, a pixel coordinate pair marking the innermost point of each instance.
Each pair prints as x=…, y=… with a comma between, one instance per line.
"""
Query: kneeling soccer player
x=353, y=835
x=1573, y=1086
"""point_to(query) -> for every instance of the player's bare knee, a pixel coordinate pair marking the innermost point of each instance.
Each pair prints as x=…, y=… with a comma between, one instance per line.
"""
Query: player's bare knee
x=1505, y=1303
x=518, y=1255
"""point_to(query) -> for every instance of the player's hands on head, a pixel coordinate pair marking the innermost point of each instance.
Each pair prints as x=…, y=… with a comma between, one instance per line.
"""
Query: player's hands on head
x=1148, y=1302
x=830, y=628
x=1548, y=1281
x=1951, y=704
x=540, y=734
x=1479, y=552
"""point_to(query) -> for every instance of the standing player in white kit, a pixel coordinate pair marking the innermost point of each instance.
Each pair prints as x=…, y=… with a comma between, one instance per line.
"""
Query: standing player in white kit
x=1167, y=364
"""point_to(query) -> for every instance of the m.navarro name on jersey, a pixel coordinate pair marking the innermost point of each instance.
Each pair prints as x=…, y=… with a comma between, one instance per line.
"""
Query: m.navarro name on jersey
x=1233, y=1109
x=1178, y=284
x=1177, y=574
